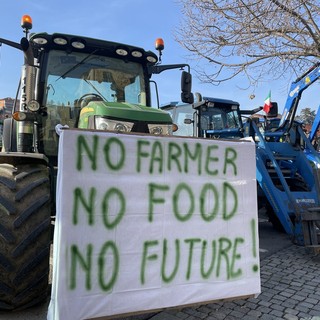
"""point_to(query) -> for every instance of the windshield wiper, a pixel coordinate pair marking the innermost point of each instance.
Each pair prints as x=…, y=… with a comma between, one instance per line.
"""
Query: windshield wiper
x=78, y=64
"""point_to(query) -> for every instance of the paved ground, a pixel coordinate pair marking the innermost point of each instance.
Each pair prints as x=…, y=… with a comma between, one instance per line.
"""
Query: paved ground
x=290, y=279
x=290, y=290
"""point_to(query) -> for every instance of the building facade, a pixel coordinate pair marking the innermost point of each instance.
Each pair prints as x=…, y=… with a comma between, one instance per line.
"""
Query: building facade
x=6, y=106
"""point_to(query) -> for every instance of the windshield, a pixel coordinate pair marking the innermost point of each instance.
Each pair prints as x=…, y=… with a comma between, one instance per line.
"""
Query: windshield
x=70, y=76
x=219, y=119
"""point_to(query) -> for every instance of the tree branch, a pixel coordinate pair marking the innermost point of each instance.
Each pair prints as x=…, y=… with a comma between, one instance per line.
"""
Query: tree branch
x=249, y=36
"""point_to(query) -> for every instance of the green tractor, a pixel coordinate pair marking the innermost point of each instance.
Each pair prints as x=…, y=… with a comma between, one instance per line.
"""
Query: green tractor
x=75, y=82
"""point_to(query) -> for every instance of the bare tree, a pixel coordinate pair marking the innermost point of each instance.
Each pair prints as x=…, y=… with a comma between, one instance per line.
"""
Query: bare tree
x=262, y=39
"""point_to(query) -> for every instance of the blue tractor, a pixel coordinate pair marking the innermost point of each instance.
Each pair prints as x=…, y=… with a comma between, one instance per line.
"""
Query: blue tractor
x=288, y=185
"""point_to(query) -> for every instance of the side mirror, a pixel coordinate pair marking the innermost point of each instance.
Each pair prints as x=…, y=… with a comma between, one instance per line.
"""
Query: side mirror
x=273, y=113
x=186, y=84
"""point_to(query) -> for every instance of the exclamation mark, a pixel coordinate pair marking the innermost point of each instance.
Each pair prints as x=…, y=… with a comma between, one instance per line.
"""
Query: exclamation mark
x=255, y=267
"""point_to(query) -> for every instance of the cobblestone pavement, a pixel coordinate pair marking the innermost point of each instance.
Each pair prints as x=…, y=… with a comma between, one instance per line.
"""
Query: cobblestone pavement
x=290, y=289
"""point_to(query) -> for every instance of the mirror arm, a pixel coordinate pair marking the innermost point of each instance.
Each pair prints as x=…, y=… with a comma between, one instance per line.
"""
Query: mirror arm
x=10, y=43
x=158, y=68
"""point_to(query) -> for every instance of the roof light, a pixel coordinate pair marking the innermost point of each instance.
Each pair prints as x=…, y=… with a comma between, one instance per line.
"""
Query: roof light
x=122, y=52
x=78, y=44
x=60, y=41
x=152, y=59
x=40, y=40
x=136, y=54
x=26, y=22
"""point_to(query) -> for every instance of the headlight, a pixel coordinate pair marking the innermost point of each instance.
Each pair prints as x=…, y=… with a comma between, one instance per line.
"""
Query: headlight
x=112, y=125
x=157, y=129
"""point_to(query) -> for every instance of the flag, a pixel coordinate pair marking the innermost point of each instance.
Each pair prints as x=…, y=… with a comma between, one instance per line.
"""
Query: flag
x=267, y=103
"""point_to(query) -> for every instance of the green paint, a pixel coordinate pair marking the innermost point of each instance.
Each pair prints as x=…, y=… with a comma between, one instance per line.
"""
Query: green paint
x=211, y=159
x=223, y=250
x=169, y=278
x=255, y=267
x=209, y=201
x=174, y=154
x=176, y=198
x=207, y=274
x=156, y=158
x=140, y=153
x=87, y=204
x=254, y=243
x=208, y=189
x=84, y=263
x=111, y=147
x=83, y=149
x=191, y=243
x=228, y=253
x=89, y=151
x=196, y=156
x=108, y=246
x=153, y=187
x=227, y=214
x=146, y=257
x=110, y=194
x=235, y=256
x=218, y=260
x=230, y=156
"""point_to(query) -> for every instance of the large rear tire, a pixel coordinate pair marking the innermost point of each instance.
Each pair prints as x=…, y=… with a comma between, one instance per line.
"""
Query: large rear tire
x=25, y=235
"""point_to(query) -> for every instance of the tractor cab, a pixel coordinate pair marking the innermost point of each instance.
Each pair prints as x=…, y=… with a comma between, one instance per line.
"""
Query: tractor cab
x=84, y=83
x=209, y=118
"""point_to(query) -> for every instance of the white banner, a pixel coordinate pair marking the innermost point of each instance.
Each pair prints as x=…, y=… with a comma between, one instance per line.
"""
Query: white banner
x=147, y=222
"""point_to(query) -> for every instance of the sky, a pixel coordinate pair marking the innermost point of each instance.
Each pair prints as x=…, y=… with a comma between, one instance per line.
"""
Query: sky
x=135, y=22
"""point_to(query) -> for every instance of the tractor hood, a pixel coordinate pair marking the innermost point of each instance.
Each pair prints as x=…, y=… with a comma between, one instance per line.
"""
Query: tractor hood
x=123, y=111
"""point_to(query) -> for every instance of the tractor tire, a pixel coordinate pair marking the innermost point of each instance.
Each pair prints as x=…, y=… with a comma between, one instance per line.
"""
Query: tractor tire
x=25, y=235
